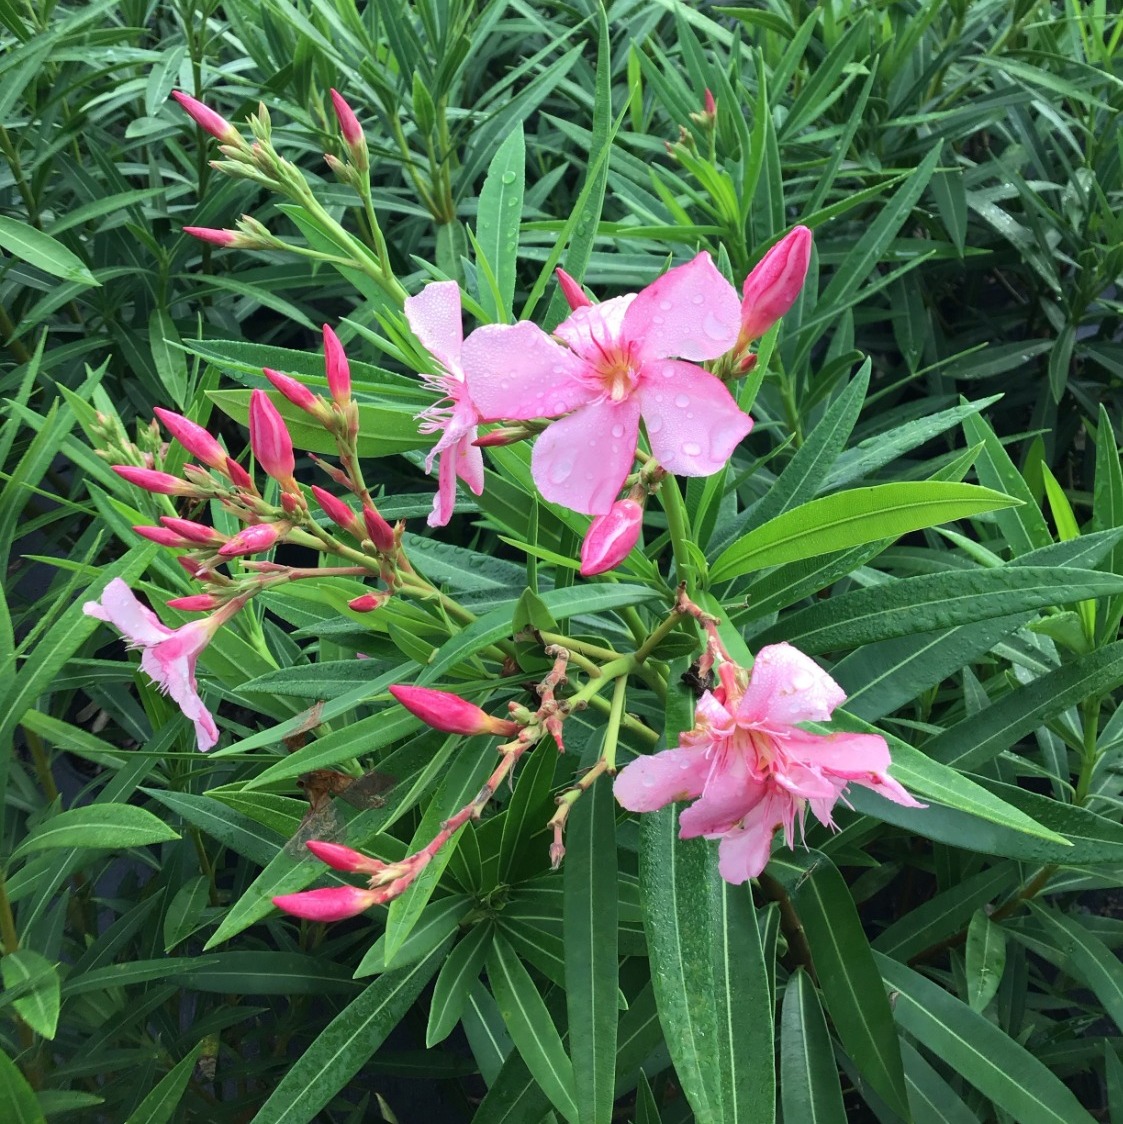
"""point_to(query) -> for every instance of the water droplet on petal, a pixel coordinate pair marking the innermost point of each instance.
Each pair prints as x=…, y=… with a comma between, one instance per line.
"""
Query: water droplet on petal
x=682, y=401
x=504, y=384
x=617, y=430
x=654, y=422
x=657, y=320
x=691, y=448
x=658, y=398
x=665, y=306
x=716, y=329
x=669, y=373
x=560, y=471
x=697, y=298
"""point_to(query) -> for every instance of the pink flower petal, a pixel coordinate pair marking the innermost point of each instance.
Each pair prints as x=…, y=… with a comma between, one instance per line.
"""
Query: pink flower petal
x=691, y=312
x=581, y=461
x=595, y=329
x=434, y=317
x=457, y=457
x=744, y=852
x=120, y=608
x=732, y=791
x=692, y=421
x=470, y=463
x=786, y=687
x=860, y=758
x=516, y=371
x=656, y=779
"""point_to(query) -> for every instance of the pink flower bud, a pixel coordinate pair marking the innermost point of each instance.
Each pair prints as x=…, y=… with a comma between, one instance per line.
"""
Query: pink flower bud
x=253, y=540
x=571, y=290
x=270, y=440
x=337, y=368
x=770, y=290
x=709, y=106
x=297, y=393
x=349, y=127
x=193, y=437
x=339, y=857
x=445, y=711
x=163, y=483
x=163, y=536
x=338, y=512
x=239, y=477
x=502, y=435
x=368, y=602
x=206, y=118
x=335, y=903
x=610, y=537
x=193, y=566
x=195, y=532
x=195, y=603
x=378, y=530
x=213, y=236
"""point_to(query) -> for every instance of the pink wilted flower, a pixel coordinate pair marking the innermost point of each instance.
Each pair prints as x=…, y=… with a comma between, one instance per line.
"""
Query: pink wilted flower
x=434, y=316
x=750, y=768
x=630, y=357
x=169, y=654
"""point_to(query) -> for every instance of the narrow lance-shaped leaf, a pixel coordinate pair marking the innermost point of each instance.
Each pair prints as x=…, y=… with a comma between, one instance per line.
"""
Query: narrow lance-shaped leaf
x=809, y=1085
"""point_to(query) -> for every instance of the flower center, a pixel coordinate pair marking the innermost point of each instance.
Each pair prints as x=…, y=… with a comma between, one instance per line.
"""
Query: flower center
x=617, y=376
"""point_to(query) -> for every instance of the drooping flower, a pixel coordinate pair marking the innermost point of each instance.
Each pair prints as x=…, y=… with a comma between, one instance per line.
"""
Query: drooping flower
x=168, y=654
x=750, y=768
x=630, y=357
x=435, y=318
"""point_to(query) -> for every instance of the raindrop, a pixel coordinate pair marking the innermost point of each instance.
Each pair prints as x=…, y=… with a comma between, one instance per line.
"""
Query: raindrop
x=697, y=298
x=617, y=430
x=715, y=329
x=691, y=448
x=561, y=471
x=654, y=422
x=657, y=320
x=665, y=306
x=507, y=177
x=504, y=384
x=682, y=401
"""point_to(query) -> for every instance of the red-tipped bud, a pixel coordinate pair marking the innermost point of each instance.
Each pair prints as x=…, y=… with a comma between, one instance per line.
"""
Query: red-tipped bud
x=334, y=903
x=239, y=477
x=338, y=511
x=212, y=235
x=610, y=537
x=194, y=438
x=193, y=566
x=378, y=530
x=368, y=602
x=337, y=368
x=349, y=127
x=770, y=290
x=571, y=290
x=206, y=118
x=448, y=712
x=270, y=440
x=163, y=483
x=297, y=393
x=163, y=536
x=253, y=540
x=195, y=532
x=339, y=857
x=195, y=603
x=709, y=106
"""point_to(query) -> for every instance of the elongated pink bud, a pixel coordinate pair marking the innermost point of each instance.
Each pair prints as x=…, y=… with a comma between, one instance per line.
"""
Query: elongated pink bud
x=349, y=127
x=770, y=290
x=206, y=118
x=610, y=537
x=193, y=567
x=151, y=480
x=270, y=440
x=337, y=368
x=163, y=536
x=253, y=540
x=368, y=602
x=297, y=393
x=334, y=903
x=195, y=532
x=239, y=477
x=709, y=106
x=194, y=438
x=212, y=235
x=445, y=711
x=339, y=857
x=571, y=290
x=378, y=530
x=339, y=512
x=195, y=603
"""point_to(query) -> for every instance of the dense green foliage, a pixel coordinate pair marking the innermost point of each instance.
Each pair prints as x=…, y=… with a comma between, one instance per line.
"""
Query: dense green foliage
x=962, y=168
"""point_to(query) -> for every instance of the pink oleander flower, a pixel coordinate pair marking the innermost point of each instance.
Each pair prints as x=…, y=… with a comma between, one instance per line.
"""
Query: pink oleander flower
x=296, y=392
x=349, y=127
x=435, y=318
x=336, y=367
x=368, y=602
x=271, y=441
x=253, y=539
x=168, y=654
x=206, y=118
x=611, y=537
x=628, y=358
x=448, y=712
x=152, y=480
x=770, y=290
x=750, y=768
x=333, y=903
x=378, y=530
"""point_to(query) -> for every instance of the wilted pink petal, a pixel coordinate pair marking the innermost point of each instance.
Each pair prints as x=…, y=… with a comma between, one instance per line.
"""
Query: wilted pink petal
x=448, y=712
x=656, y=779
x=333, y=903
x=787, y=687
x=744, y=851
x=772, y=287
x=610, y=537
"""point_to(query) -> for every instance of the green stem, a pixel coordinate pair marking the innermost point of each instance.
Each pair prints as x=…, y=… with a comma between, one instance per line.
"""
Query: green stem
x=8, y=932
x=678, y=526
x=612, y=729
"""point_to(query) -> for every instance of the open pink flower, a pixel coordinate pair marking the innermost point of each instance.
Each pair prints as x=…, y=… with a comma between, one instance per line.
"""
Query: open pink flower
x=169, y=654
x=617, y=362
x=434, y=316
x=750, y=769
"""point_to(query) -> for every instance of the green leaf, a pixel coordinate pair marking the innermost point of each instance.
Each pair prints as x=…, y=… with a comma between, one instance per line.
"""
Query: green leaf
x=530, y=1026
x=809, y=1084
x=591, y=950
x=524, y=820
x=160, y=1105
x=438, y=920
x=497, y=223
x=978, y=1050
x=344, y=1045
x=37, y=974
x=23, y=241
x=846, y=971
x=106, y=826
x=986, y=960
x=17, y=1099
x=852, y=518
x=458, y=976
x=167, y=355
x=264, y=973
x=932, y=1099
